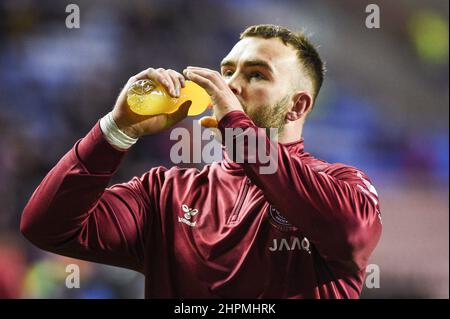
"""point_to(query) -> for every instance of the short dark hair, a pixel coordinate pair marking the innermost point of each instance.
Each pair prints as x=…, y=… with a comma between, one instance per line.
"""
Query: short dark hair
x=306, y=52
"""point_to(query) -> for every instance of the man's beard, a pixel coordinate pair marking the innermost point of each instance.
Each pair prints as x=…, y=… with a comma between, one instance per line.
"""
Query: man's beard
x=270, y=116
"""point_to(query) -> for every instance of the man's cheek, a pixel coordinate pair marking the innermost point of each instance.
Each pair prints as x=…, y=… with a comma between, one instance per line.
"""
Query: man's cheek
x=261, y=97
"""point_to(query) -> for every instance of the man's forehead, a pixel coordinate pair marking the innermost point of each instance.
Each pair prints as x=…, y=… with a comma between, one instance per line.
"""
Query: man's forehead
x=273, y=51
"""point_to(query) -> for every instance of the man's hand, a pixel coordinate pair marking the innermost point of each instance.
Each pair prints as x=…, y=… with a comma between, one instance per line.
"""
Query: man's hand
x=135, y=125
x=223, y=99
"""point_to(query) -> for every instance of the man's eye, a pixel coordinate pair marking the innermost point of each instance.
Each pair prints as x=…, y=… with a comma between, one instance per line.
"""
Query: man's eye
x=256, y=75
x=227, y=73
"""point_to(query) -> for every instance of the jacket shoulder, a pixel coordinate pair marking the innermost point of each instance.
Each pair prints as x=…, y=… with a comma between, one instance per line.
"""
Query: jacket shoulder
x=337, y=170
x=334, y=169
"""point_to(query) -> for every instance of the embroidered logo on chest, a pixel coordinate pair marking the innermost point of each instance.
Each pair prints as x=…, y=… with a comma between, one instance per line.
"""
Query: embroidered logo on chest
x=279, y=221
x=188, y=214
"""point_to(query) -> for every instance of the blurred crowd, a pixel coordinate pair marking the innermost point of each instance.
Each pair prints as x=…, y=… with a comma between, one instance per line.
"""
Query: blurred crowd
x=383, y=108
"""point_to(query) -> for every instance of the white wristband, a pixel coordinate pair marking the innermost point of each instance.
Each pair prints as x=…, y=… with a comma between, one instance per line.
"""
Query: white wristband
x=114, y=135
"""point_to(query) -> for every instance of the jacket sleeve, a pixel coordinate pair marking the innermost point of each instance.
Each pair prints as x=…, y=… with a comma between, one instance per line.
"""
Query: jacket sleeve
x=73, y=213
x=337, y=208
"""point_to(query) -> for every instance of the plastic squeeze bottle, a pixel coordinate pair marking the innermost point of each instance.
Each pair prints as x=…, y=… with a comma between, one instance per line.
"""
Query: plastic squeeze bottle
x=147, y=97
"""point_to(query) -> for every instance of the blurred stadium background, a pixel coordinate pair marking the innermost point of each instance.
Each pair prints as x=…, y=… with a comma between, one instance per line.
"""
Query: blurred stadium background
x=383, y=108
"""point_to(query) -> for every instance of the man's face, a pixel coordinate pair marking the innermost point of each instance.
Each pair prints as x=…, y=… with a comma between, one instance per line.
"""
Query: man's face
x=262, y=73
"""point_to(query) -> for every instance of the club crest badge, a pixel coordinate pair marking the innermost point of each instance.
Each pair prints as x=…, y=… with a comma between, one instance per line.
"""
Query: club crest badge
x=279, y=221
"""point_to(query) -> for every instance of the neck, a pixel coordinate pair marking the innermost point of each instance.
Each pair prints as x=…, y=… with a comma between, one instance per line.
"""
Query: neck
x=290, y=134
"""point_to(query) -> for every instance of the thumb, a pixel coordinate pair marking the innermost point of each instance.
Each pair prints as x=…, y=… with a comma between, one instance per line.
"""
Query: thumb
x=178, y=115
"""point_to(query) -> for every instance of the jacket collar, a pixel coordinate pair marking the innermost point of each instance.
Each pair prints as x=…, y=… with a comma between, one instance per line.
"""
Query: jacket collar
x=296, y=147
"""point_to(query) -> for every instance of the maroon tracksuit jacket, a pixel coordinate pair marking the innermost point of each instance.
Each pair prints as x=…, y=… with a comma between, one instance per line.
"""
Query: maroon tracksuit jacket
x=226, y=231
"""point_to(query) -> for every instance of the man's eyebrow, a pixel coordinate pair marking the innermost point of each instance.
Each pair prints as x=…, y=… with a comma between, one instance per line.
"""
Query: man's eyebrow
x=249, y=63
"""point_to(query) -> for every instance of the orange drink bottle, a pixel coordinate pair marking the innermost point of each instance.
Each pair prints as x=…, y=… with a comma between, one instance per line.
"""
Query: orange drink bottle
x=147, y=97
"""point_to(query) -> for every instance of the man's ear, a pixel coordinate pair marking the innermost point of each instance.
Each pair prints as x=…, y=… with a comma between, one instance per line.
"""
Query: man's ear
x=302, y=103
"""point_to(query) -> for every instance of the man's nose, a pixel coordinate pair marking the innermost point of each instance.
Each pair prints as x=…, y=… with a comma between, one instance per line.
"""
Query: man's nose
x=234, y=85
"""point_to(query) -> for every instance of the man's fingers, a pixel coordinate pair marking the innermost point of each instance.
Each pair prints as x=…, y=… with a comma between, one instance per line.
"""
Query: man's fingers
x=160, y=75
x=163, y=77
x=190, y=67
x=175, y=76
x=211, y=75
x=205, y=83
x=143, y=74
x=179, y=77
